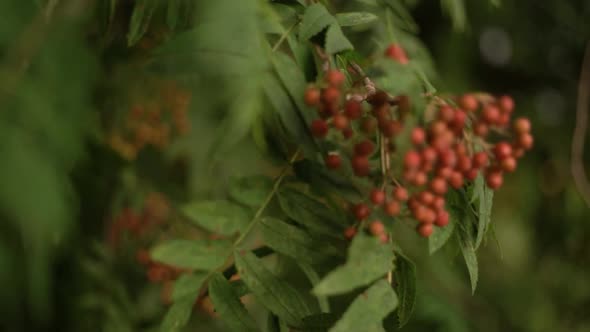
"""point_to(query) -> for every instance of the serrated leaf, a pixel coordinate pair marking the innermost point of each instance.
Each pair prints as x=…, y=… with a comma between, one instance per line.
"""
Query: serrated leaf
x=336, y=41
x=403, y=18
x=295, y=242
x=274, y=293
x=486, y=198
x=140, y=20
x=466, y=242
x=221, y=217
x=441, y=235
x=310, y=212
x=368, y=260
x=356, y=18
x=405, y=277
x=251, y=190
x=228, y=305
x=294, y=81
x=368, y=310
x=314, y=279
x=315, y=19
x=456, y=10
x=187, y=285
x=194, y=254
x=178, y=315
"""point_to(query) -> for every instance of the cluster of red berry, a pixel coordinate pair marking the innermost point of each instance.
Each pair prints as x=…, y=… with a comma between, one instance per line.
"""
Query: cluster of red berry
x=153, y=123
x=159, y=273
x=451, y=148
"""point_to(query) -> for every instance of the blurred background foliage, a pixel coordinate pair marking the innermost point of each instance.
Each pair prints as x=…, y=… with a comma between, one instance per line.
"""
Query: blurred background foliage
x=71, y=72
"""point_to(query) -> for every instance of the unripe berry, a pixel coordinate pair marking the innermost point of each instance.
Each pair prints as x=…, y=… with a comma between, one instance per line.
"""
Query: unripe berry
x=463, y=163
x=480, y=159
x=418, y=136
x=390, y=128
x=350, y=232
x=397, y=53
x=412, y=160
x=353, y=110
x=376, y=228
x=335, y=77
x=502, y=150
x=361, y=211
x=446, y=113
x=330, y=95
x=369, y=125
x=392, y=208
x=377, y=196
x=490, y=114
x=425, y=230
x=333, y=161
x=319, y=128
x=522, y=126
x=456, y=180
x=506, y=104
x=340, y=121
x=468, y=102
x=442, y=219
x=438, y=186
x=480, y=129
x=312, y=96
x=360, y=165
x=494, y=179
x=525, y=141
x=400, y=194
x=508, y=164
x=364, y=148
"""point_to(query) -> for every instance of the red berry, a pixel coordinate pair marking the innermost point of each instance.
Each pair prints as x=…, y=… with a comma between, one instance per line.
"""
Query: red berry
x=471, y=174
x=340, y=121
x=418, y=136
x=442, y=219
x=360, y=165
x=463, y=163
x=502, y=150
x=460, y=149
x=390, y=128
x=312, y=96
x=446, y=113
x=369, y=125
x=413, y=204
x=333, y=161
x=392, y=208
x=494, y=179
x=459, y=120
x=480, y=129
x=508, y=164
x=444, y=172
x=490, y=114
x=426, y=197
x=319, y=128
x=400, y=194
x=517, y=151
x=330, y=95
x=503, y=120
x=506, y=104
x=361, y=211
x=364, y=148
x=456, y=180
x=425, y=230
x=447, y=158
x=335, y=77
x=376, y=228
x=525, y=141
x=429, y=155
x=438, y=128
x=353, y=110
x=396, y=52
x=439, y=203
x=468, y=102
x=438, y=186
x=377, y=196
x=350, y=232
x=412, y=160
x=480, y=159
x=384, y=238
x=522, y=126
x=420, y=179
x=347, y=132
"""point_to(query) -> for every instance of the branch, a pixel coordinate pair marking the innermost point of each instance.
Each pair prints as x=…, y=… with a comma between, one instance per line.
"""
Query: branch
x=578, y=171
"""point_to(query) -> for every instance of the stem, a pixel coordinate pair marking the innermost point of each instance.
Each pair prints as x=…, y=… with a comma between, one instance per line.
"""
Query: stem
x=283, y=37
x=578, y=171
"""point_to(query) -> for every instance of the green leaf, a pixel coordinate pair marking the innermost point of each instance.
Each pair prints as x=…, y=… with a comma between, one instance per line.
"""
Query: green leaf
x=405, y=277
x=294, y=81
x=310, y=212
x=325, y=181
x=466, y=242
x=274, y=293
x=194, y=254
x=315, y=19
x=228, y=305
x=368, y=260
x=294, y=242
x=140, y=20
x=336, y=41
x=188, y=285
x=251, y=191
x=172, y=13
x=441, y=235
x=356, y=18
x=456, y=10
x=221, y=217
x=314, y=279
x=368, y=310
x=403, y=18
x=178, y=315
x=320, y=322
x=486, y=197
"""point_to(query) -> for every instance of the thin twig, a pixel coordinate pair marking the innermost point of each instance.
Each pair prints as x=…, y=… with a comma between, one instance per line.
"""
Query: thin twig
x=283, y=37
x=578, y=171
